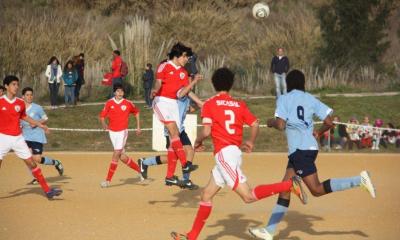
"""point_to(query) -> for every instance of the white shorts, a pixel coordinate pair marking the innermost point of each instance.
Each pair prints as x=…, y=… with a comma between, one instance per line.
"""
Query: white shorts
x=118, y=139
x=227, y=171
x=15, y=143
x=166, y=110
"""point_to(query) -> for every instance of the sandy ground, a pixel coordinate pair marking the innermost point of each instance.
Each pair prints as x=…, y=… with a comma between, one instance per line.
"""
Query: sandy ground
x=133, y=210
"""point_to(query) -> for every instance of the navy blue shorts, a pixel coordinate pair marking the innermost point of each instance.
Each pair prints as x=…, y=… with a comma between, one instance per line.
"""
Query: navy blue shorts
x=303, y=162
x=184, y=139
x=36, y=147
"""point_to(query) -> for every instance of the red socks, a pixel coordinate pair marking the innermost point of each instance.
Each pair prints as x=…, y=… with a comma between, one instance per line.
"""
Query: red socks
x=176, y=144
x=200, y=220
x=172, y=160
x=263, y=191
x=37, y=173
x=111, y=170
x=133, y=165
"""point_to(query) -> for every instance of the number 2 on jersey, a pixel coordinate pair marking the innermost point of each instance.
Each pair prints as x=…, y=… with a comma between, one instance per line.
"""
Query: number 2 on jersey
x=230, y=121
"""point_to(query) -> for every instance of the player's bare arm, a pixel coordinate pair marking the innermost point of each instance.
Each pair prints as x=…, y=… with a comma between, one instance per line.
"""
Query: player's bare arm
x=205, y=133
x=196, y=99
x=277, y=123
x=248, y=145
x=327, y=124
x=185, y=90
x=103, y=123
x=138, y=130
x=156, y=88
x=36, y=123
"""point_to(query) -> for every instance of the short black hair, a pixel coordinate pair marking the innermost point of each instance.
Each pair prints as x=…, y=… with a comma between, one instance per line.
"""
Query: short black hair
x=295, y=80
x=2, y=88
x=178, y=49
x=222, y=79
x=81, y=55
x=9, y=78
x=27, y=89
x=117, y=52
x=149, y=65
x=118, y=86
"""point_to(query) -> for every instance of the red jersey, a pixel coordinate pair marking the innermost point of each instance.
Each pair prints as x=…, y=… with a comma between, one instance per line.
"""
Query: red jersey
x=226, y=117
x=116, y=67
x=11, y=112
x=118, y=113
x=173, y=78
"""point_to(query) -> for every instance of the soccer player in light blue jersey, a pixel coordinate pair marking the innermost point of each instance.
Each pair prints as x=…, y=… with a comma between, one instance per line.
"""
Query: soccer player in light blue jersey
x=144, y=163
x=35, y=137
x=294, y=114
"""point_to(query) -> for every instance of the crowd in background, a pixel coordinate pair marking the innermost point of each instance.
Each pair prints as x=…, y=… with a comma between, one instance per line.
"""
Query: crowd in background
x=360, y=135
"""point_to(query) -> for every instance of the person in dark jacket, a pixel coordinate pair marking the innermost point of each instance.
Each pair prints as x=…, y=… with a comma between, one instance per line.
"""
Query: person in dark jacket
x=148, y=78
x=70, y=76
x=79, y=62
x=280, y=67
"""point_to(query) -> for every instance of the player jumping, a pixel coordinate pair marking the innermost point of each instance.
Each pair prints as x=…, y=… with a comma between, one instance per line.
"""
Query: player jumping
x=294, y=114
x=172, y=83
x=35, y=137
x=12, y=110
x=117, y=110
x=223, y=119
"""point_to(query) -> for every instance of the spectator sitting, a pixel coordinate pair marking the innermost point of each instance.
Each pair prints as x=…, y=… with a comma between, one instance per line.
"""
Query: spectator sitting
x=388, y=137
x=339, y=134
x=353, y=133
x=2, y=90
x=366, y=133
x=70, y=76
x=376, y=134
x=398, y=138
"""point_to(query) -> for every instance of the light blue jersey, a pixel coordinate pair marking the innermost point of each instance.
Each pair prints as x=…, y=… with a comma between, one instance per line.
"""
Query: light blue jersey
x=298, y=108
x=35, y=134
x=183, y=105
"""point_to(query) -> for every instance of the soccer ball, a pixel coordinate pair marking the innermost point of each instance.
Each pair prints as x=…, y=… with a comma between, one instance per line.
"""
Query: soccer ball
x=260, y=10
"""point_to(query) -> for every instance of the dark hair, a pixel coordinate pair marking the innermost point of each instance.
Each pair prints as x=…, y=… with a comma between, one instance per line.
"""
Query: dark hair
x=149, y=65
x=295, y=80
x=66, y=65
x=9, y=78
x=118, y=86
x=2, y=88
x=81, y=55
x=178, y=49
x=222, y=79
x=117, y=52
x=27, y=89
x=52, y=60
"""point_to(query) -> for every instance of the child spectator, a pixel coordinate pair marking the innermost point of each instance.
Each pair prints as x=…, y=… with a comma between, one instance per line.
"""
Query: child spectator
x=388, y=136
x=366, y=133
x=353, y=133
x=339, y=134
x=376, y=134
x=70, y=76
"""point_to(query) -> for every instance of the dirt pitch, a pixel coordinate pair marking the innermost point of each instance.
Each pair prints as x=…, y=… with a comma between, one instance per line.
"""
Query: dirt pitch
x=135, y=211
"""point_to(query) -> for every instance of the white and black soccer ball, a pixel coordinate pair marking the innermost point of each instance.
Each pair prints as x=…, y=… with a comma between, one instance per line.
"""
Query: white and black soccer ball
x=260, y=10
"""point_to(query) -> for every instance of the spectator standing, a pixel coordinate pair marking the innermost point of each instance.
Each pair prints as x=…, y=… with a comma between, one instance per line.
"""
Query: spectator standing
x=80, y=68
x=70, y=76
x=53, y=74
x=148, y=78
x=116, y=70
x=280, y=67
x=353, y=132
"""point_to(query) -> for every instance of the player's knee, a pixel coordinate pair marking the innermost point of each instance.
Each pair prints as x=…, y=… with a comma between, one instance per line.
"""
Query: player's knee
x=317, y=192
x=284, y=195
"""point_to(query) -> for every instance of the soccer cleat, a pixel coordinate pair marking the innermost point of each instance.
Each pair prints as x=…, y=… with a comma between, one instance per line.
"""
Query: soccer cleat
x=33, y=182
x=187, y=184
x=261, y=233
x=298, y=190
x=189, y=167
x=143, y=169
x=366, y=183
x=58, y=165
x=173, y=181
x=53, y=193
x=178, y=236
x=105, y=184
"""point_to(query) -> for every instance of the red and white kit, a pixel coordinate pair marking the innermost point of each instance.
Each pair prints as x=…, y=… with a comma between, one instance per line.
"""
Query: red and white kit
x=173, y=78
x=117, y=113
x=227, y=117
x=11, y=112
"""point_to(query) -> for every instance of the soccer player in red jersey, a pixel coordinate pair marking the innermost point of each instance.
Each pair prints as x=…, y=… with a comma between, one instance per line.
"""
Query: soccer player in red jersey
x=117, y=110
x=223, y=119
x=172, y=83
x=12, y=110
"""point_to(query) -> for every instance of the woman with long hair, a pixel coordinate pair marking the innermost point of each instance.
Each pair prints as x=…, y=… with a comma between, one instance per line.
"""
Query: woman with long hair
x=53, y=74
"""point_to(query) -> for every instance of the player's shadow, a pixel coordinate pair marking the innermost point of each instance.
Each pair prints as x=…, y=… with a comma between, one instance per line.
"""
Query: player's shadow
x=28, y=190
x=133, y=181
x=297, y=221
x=235, y=225
x=58, y=179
